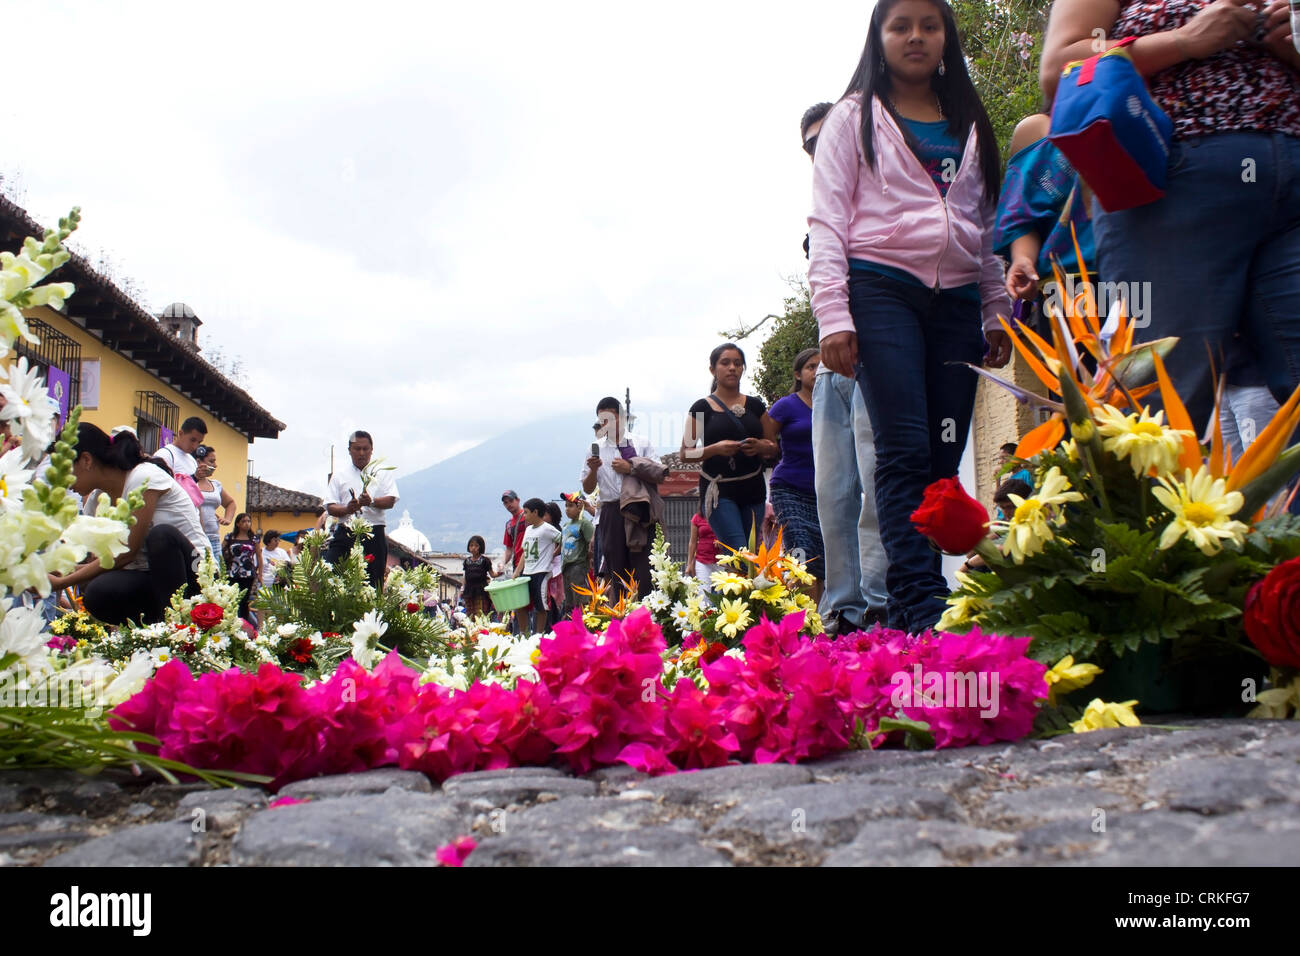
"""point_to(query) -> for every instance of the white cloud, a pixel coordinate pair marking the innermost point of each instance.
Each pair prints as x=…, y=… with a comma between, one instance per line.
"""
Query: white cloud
x=431, y=220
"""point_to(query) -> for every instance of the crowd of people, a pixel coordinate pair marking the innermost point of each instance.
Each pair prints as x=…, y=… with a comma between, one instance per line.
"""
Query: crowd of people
x=917, y=242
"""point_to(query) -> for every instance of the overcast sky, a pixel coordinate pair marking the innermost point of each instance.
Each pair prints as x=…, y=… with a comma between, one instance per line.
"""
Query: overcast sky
x=435, y=221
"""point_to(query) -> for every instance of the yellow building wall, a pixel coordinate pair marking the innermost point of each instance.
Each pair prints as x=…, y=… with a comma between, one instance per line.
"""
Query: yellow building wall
x=119, y=380
x=283, y=521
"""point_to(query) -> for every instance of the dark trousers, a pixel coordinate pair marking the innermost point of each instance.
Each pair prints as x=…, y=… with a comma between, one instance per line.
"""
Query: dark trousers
x=920, y=408
x=619, y=561
x=375, y=549
x=118, y=596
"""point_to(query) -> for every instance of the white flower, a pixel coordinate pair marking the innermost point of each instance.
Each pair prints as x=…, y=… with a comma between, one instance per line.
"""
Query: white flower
x=13, y=477
x=105, y=538
x=131, y=678
x=28, y=405
x=681, y=615
x=21, y=634
x=287, y=630
x=159, y=656
x=365, y=637
x=656, y=601
x=217, y=642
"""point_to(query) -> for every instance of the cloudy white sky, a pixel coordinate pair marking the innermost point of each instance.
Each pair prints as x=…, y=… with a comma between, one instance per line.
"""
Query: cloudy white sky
x=435, y=220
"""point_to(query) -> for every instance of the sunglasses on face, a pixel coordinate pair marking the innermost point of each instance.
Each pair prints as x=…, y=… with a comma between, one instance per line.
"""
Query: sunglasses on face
x=810, y=144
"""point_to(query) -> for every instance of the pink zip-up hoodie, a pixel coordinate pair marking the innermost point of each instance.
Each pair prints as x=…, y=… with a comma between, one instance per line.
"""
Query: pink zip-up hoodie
x=894, y=215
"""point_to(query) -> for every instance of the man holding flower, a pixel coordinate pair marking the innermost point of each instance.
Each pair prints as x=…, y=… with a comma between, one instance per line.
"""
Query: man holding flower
x=366, y=488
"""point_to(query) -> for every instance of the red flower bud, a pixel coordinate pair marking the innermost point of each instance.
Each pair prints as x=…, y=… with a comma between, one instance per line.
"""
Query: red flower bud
x=1271, y=615
x=412, y=608
x=369, y=558
x=950, y=518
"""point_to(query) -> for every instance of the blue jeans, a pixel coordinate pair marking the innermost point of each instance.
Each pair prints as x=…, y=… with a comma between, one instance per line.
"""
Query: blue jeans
x=844, y=455
x=731, y=523
x=920, y=408
x=1219, y=253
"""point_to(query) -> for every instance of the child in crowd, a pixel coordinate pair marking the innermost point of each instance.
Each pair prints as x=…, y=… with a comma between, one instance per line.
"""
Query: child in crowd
x=555, y=583
x=579, y=532
x=478, y=573
x=541, y=544
x=273, y=557
x=702, y=552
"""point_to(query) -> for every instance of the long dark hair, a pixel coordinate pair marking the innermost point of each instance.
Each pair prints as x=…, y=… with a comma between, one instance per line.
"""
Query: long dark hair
x=800, y=361
x=235, y=530
x=717, y=354
x=121, y=451
x=961, y=104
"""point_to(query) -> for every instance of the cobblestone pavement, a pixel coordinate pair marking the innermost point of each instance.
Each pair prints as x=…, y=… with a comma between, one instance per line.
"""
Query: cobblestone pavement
x=1216, y=792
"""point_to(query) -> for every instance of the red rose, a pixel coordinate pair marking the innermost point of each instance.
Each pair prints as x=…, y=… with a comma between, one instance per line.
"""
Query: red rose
x=189, y=648
x=369, y=558
x=300, y=650
x=412, y=608
x=714, y=651
x=1272, y=615
x=950, y=518
x=207, y=616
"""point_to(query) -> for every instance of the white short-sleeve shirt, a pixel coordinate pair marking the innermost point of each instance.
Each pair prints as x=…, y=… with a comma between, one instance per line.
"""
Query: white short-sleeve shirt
x=347, y=481
x=174, y=508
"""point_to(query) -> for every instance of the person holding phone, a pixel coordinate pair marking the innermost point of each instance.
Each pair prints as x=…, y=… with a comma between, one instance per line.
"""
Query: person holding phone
x=730, y=426
x=611, y=459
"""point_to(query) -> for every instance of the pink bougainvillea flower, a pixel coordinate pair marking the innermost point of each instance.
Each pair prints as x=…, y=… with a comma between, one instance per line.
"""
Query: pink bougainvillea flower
x=285, y=802
x=455, y=852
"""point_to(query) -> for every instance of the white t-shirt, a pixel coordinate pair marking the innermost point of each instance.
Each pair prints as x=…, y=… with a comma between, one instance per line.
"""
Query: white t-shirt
x=174, y=508
x=347, y=478
x=181, y=462
x=541, y=545
x=609, y=482
x=272, y=558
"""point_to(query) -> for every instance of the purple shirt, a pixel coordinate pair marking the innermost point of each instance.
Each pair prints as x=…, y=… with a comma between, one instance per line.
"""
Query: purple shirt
x=796, y=467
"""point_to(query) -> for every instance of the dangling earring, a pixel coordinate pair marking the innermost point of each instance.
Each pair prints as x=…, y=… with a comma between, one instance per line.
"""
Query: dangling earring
x=942, y=69
x=882, y=67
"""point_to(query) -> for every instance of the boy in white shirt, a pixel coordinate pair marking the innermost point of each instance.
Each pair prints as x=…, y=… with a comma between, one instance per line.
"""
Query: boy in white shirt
x=541, y=544
x=179, y=453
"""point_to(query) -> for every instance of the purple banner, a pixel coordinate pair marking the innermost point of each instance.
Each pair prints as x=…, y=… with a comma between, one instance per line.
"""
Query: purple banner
x=58, y=384
x=166, y=437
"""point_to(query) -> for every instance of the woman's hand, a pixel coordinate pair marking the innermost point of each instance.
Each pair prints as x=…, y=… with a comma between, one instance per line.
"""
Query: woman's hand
x=725, y=449
x=1218, y=26
x=840, y=352
x=999, y=348
x=622, y=466
x=1277, y=33
x=1022, y=279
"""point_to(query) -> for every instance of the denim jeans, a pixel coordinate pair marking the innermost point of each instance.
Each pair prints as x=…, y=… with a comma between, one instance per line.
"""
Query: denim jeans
x=1219, y=253
x=1247, y=409
x=844, y=455
x=731, y=523
x=920, y=408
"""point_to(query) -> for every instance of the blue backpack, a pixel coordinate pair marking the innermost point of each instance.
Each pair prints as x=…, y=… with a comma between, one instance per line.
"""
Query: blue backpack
x=1110, y=129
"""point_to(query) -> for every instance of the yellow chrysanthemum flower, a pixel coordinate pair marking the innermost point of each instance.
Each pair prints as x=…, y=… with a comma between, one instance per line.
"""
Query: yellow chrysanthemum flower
x=961, y=609
x=772, y=594
x=1142, y=439
x=1067, y=676
x=1099, y=715
x=1202, y=510
x=729, y=583
x=733, y=617
x=1030, y=527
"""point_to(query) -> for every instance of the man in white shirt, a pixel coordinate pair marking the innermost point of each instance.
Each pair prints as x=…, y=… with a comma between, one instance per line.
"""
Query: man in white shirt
x=179, y=453
x=348, y=495
x=605, y=471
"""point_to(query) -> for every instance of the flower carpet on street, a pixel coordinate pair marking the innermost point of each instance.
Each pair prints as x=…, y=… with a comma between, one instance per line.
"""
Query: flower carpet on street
x=598, y=700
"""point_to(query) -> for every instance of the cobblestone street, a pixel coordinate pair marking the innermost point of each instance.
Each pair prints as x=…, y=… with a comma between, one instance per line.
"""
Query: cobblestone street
x=1215, y=792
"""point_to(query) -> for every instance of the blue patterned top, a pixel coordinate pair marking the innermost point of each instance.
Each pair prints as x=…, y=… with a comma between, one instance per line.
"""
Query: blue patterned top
x=1040, y=194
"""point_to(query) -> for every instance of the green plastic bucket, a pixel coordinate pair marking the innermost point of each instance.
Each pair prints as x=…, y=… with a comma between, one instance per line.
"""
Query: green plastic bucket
x=509, y=595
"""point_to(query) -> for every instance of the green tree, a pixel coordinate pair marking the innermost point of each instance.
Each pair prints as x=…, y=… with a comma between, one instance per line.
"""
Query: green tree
x=1003, y=40
x=792, y=331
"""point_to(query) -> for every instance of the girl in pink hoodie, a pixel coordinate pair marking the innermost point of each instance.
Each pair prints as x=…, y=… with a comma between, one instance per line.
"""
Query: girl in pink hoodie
x=903, y=276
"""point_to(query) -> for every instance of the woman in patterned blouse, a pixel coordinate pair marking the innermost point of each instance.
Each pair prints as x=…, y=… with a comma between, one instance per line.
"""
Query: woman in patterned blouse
x=1220, y=253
